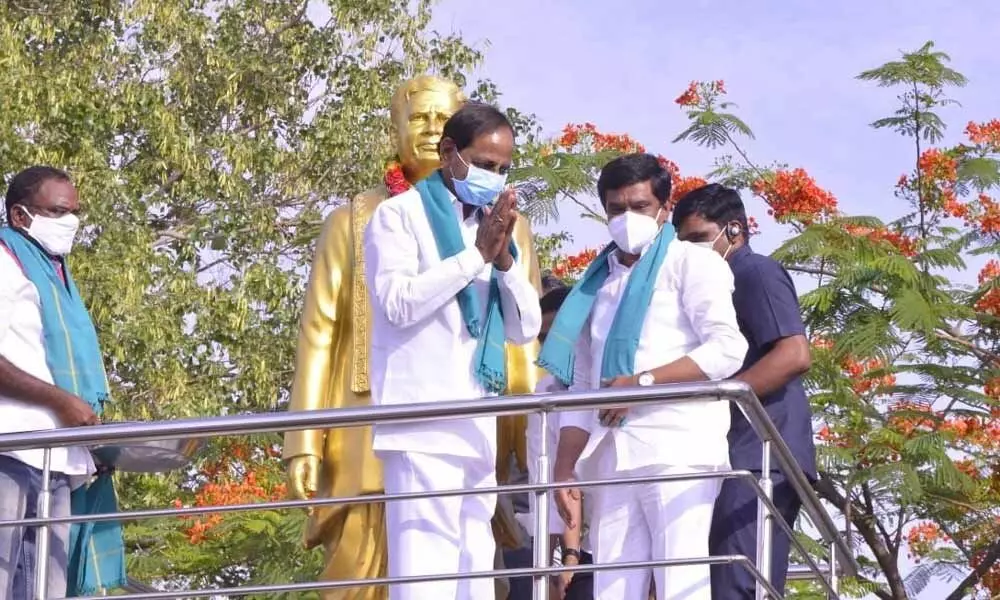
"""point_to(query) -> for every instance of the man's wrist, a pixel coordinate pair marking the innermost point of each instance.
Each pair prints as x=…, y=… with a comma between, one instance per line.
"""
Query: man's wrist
x=504, y=261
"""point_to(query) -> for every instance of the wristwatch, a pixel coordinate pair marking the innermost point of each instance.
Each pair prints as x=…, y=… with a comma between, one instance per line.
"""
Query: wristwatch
x=646, y=379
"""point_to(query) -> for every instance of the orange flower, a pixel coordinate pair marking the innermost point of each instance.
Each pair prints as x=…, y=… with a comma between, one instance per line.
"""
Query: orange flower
x=986, y=134
x=794, y=195
x=586, y=137
x=863, y=381
x=990, y=272
x=901, y=418
x=822, y=343
x=989, y=302
x=571, y=267
x=937, y=166
x=671, y=167
x=992, y=389
x=227, y=493
x=683, y=185
x=952, y=206
x=690, y=96
x=906, y=245
x=922, y=538
x=698, y=92
x=988, y=218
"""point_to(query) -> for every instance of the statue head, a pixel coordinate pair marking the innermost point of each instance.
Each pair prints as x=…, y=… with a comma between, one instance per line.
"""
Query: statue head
x=420, y=107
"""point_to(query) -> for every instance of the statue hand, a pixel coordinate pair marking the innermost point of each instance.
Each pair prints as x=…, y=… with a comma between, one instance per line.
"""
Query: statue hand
x=303, y=476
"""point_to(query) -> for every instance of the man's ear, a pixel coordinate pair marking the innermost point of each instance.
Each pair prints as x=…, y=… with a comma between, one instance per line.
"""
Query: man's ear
x=445, y=147
x=17, y=217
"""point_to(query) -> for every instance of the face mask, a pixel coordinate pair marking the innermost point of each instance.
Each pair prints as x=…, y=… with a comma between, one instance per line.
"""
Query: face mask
x=711, y=245
x=55, y=235
x=480, y=187
x=632, y=232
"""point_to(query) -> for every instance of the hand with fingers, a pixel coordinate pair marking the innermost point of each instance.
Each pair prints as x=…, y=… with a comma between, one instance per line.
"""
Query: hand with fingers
x=495, y=229
x=505, y=259
x=303, y=476
x=615, y=417
x=569, y=502
x=73, y=411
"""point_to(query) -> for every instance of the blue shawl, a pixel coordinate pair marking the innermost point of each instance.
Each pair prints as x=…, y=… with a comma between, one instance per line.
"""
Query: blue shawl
x=490, y=361
x=557, y=355
x=96, y=553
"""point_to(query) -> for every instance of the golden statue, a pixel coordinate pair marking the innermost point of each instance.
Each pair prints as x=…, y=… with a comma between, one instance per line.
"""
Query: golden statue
x=332, y=362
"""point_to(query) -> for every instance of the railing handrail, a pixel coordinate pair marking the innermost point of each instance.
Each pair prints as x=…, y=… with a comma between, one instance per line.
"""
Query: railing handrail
x=678, y=393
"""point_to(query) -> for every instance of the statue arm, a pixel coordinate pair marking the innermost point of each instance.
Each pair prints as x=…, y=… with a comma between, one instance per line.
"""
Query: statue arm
x=318, y=329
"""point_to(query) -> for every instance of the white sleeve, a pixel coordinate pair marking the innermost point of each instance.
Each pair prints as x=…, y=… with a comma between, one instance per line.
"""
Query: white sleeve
x=706, y=285
x=582, y=381
x=10, y=276
x=522, y=311
x=403, y=294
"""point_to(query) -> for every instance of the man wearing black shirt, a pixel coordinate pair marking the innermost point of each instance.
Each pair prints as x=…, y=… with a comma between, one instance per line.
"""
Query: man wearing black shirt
x=768, y=313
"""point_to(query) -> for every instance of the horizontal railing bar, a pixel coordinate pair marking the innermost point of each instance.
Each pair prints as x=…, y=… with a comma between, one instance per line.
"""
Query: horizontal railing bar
x=372, y=498
x=504, y=573
x=355, y=416
x=679, y=393
x=369, y=499
x=804, y=573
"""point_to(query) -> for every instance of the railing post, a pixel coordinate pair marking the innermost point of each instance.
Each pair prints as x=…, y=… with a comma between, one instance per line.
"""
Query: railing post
x=764, y=524
x=834, y=579
x=42, y=534
x=543, y=555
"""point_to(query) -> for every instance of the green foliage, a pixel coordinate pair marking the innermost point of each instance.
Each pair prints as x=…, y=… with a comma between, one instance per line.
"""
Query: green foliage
x=923, y=74
x=904, y=351
x=207, y=139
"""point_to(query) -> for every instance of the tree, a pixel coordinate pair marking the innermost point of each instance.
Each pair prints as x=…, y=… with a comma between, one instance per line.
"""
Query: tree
x=906, y=370
x=207, y=139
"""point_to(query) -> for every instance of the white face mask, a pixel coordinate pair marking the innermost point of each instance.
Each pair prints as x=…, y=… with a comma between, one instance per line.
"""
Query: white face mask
x=711, y=245
x=56, y=235
x=632, y=231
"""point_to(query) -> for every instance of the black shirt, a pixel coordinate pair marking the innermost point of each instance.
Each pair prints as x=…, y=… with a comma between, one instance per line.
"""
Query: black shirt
x=767, y=309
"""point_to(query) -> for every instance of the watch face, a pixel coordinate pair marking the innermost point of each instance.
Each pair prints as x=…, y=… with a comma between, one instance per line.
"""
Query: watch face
x=646, y=379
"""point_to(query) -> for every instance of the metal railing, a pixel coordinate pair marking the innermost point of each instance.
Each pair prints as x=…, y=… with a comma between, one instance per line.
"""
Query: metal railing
x=839, y=561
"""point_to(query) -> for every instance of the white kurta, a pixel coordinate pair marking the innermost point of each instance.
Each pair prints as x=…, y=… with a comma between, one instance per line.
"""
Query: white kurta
x=691, y=314
x=422, y=352
x=22, y=343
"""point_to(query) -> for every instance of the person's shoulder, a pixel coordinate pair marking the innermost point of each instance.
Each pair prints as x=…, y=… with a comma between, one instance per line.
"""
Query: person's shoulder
x=406, y=202
x=11, y=273
x=755, y=266
x=686, y=255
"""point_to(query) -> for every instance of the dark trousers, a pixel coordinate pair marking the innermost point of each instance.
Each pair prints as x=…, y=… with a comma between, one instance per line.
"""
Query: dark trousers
x=580, y=588
x=734, y=531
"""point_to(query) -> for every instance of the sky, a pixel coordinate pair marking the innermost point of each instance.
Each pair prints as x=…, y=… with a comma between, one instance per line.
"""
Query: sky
x=790, y=66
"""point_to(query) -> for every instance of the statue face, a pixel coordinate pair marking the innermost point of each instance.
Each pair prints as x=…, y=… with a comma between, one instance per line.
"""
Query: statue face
x=417, y=137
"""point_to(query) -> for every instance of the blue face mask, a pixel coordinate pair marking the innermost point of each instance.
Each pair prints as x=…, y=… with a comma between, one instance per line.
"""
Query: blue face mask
x=480, y=187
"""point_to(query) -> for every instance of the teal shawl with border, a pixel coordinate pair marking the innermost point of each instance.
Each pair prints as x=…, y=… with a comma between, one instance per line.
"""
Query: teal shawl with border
x=96, y=552
x=490, y=362
x=557, y=355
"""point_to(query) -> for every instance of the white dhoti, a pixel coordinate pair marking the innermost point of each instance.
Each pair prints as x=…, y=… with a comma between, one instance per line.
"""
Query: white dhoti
x=653, y=521
x=437, y=536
